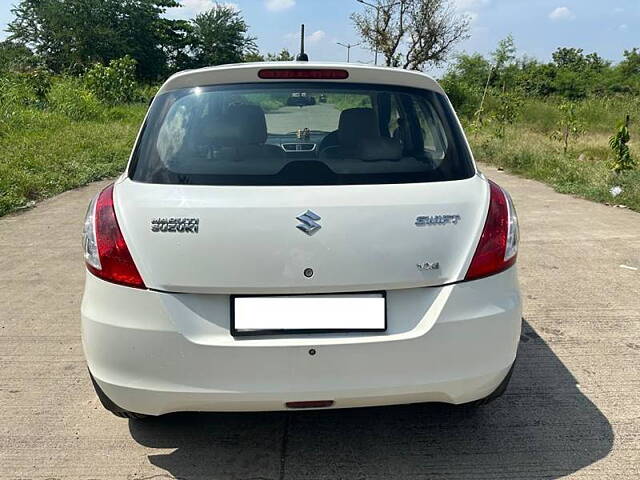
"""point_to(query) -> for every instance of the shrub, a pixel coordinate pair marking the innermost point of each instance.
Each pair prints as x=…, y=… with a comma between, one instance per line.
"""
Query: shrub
x=115, y=83
x=15, y=89
x=619, y=144
x=70, y=97
x=39, y=80
x=17, y=94
x=147, y=92
x=569, y=125
x=507, y=111
x=465, y=98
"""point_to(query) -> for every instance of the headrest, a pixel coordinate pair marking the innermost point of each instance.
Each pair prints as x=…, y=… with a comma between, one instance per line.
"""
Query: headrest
x=239, y=125
x=249, y=122
x=357, y=123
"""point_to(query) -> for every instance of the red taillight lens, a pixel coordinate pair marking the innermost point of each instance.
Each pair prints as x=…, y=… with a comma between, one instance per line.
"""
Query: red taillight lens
x=115, y=262
x=498, y=245
x=303, y=74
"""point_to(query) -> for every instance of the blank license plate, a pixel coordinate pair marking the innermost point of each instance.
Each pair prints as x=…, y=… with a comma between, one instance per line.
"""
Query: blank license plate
x=308, y=313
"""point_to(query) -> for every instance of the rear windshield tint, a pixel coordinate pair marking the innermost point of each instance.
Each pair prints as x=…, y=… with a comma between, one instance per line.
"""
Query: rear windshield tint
x=300, y=134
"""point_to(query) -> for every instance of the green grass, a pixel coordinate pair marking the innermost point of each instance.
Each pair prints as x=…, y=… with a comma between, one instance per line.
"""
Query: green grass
x=597, y=115
x=66, y=139
x=44, y=152
x=529, y=149
x=583, y=171
x=56, y=135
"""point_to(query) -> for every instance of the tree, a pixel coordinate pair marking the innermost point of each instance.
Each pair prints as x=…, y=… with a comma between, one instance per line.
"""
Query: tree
x=70, y=35
x=220, y=36
x=465, y=82
x=472, y=69
x=596, y=63
x=114, y=83
x=412, y=33
x=504, y=61
x=253, y=57
x=569, y=58
x=505, y=53
x=507, y=111
x=569, y=125
x=537, y=79
x=631, y=63
x=571, y=84
x=283, y=56
x=14, y=56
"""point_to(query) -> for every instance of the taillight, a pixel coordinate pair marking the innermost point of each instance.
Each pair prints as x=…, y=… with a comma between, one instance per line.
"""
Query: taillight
x=498, y=247
x=105, y=251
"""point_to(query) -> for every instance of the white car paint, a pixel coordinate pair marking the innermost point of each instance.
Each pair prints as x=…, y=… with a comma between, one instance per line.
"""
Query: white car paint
x=246, y=73
x=155, y=353
x=169, y=347
x=265, y=253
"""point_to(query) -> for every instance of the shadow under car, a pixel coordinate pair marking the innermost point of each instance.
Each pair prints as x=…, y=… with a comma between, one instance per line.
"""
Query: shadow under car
x=543, y=427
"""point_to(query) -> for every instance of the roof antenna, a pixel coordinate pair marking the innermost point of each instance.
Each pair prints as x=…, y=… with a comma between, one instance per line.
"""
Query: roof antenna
x=302, y=57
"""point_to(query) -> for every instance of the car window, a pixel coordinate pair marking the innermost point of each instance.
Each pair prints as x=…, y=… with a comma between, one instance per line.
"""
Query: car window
x=298, y=134
x=395, y=118
x=431, y=129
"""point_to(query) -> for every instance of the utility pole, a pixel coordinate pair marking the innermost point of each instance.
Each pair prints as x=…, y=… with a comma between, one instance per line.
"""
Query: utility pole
x=348, y=46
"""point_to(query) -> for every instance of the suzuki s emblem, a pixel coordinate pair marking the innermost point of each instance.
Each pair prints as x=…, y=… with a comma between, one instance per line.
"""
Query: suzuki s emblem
x=308, y=225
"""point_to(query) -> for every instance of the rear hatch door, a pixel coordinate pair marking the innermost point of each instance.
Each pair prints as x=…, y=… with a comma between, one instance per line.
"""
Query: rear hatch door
x=251, y=239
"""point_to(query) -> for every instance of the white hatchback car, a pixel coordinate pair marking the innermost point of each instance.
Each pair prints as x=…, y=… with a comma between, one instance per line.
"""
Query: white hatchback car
x=263, y=253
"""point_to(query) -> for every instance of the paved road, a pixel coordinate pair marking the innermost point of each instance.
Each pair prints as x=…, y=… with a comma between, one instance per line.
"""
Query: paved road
x=322, y=116
x=572, y=409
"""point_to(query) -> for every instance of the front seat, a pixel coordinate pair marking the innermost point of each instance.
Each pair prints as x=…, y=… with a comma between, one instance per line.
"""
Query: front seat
x=244, y=129
x=358, y=136
x=354, y=125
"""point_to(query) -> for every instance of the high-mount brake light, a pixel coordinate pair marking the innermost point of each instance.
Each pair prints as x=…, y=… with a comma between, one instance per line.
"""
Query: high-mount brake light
x=105, y=250
x=498, y=246
x=310, y=404
x=303, y=74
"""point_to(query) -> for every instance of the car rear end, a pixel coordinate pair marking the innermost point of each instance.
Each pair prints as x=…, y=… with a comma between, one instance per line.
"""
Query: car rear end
x=263, y=253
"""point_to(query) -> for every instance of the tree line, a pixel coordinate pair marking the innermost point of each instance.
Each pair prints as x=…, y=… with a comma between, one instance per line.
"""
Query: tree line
x=571, y=74
x=68, y=36
x=71, y=36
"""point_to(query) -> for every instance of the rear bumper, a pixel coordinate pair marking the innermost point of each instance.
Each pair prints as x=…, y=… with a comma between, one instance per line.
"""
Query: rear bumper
x=155, y=353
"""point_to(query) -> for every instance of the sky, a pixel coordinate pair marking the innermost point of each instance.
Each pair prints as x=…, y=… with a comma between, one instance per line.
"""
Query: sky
x=538, y=26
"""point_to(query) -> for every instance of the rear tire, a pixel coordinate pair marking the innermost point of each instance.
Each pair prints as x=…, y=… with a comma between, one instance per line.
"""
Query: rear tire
x=130, y=415
x=497, y=393
x=108, y=404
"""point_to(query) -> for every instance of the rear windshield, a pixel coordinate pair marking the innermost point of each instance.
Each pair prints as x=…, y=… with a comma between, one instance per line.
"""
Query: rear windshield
x=300, y=134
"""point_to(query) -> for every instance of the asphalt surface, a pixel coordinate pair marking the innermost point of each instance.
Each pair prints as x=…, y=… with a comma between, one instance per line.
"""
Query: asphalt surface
x=572, y=409
x=321, y=116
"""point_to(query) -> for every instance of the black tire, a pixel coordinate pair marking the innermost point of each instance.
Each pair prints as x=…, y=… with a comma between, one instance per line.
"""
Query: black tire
x=497, y=393
x=131, y=415
x=108, y=404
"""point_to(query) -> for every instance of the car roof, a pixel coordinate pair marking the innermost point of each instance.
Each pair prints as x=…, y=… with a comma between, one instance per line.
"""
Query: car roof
x=248, y=73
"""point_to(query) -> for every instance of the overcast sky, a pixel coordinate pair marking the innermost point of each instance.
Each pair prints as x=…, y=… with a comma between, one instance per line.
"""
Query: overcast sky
x=538, y=26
